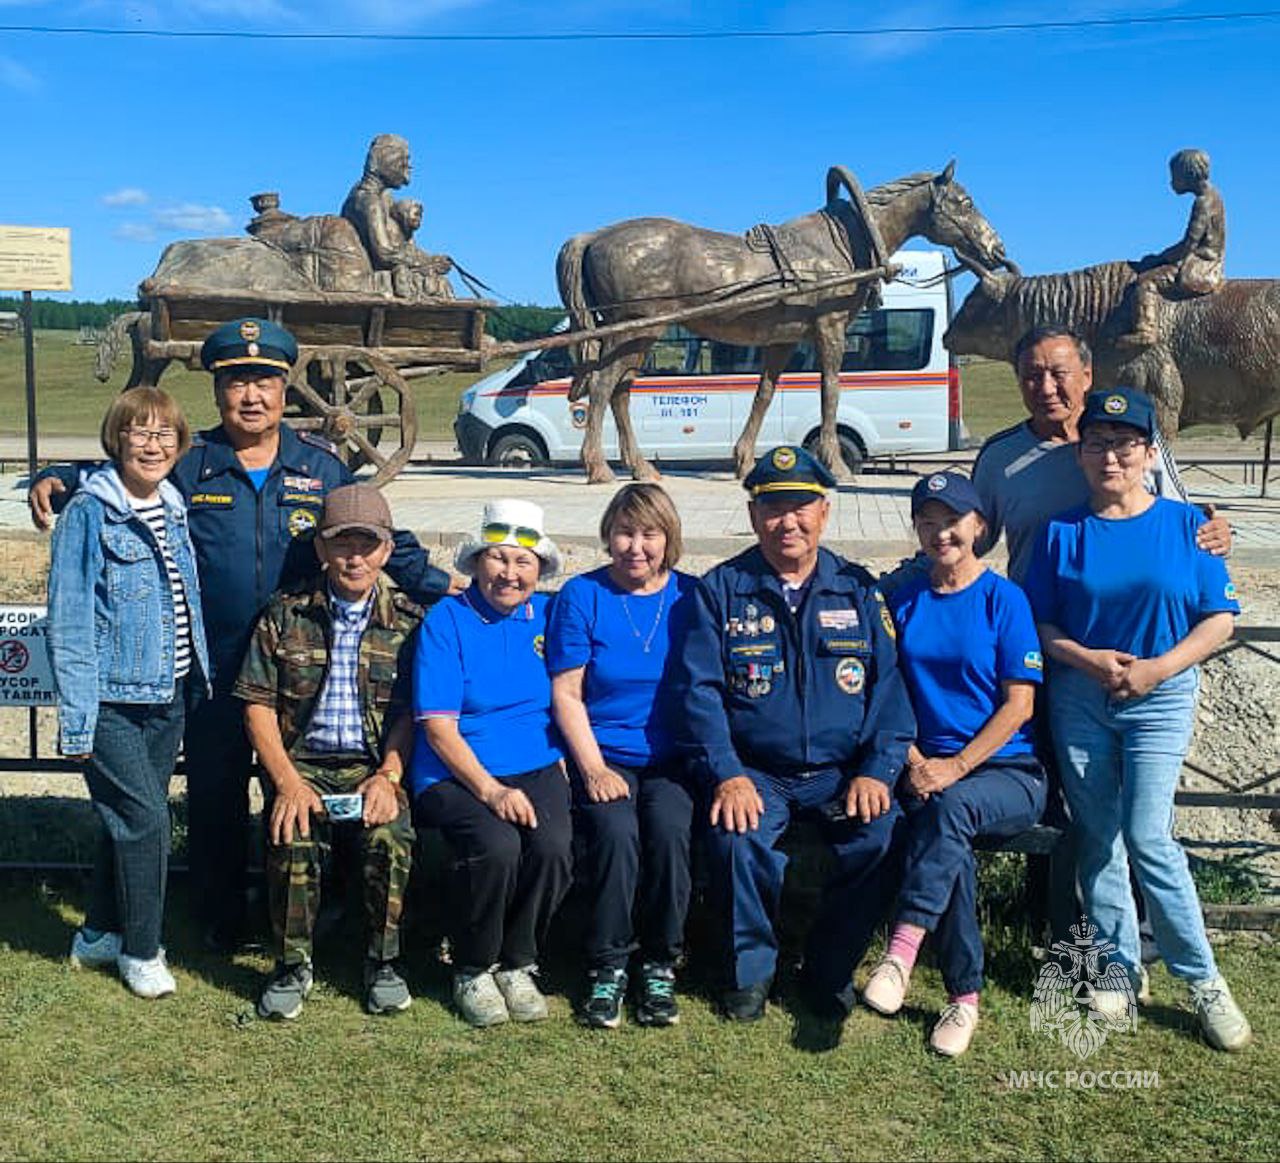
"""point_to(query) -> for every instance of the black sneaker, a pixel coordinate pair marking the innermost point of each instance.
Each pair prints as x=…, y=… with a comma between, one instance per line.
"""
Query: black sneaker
x=657, y=1005
x=603, y=1007
x=746, y=1005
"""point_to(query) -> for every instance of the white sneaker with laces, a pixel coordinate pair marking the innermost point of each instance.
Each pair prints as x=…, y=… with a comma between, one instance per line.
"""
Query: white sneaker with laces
x=524, y=999
x=954, y=1029
x=1221, y=1021
x=478, y=999
x=97, y=952
x=149, y=978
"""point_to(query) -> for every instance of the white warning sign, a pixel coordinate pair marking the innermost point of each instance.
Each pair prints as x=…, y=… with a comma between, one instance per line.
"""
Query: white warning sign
x=26, y=678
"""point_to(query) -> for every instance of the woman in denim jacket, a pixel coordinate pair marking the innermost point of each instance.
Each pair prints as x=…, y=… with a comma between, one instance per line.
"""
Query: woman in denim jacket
x=125, y=639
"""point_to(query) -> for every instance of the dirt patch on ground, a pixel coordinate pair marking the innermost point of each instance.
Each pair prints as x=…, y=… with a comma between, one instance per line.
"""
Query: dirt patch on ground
x=1237, y=740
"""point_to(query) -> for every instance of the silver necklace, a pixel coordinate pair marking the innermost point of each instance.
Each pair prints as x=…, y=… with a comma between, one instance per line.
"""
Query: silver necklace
x=646, y=642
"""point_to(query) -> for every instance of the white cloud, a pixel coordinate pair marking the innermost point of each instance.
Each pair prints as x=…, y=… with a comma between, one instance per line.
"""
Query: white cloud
x=16, y=76
x=135, y=232
x=126, y=196
x=192, y=216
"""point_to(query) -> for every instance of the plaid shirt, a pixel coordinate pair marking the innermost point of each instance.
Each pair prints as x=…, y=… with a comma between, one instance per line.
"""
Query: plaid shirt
x=337, y=723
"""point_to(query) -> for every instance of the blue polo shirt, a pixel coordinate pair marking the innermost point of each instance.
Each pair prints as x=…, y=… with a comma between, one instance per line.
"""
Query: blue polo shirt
x=486, y=670
x=598, y=625
x=1137, y=584
x=955, y=650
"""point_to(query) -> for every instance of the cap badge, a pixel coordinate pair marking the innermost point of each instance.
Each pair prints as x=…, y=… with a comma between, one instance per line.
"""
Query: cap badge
x=937, y=483
x=250, y=330
x=784, y=459
x=1115, y=405
x=252, y=349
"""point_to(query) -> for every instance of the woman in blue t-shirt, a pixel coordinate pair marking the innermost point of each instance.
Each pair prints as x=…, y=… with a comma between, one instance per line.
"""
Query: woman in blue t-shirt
x=491, y=777
x=1127, y=607
x=607, y=648
x=968, y=649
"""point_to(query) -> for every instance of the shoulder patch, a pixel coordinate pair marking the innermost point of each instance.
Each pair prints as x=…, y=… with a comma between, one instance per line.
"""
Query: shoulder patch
x=886, y=618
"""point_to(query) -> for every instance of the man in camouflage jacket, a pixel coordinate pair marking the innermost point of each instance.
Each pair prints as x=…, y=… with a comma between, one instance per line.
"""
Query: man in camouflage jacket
x=326, y=684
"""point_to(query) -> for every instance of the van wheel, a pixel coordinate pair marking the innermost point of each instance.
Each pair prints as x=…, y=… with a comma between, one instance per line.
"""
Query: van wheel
x=851, y=450
x=517, y=450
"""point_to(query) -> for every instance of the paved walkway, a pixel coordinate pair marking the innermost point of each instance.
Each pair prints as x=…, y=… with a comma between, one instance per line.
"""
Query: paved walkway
x=441, y=500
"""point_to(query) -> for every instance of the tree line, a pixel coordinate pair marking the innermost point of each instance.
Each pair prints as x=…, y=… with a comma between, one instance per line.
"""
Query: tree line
x=515, y=322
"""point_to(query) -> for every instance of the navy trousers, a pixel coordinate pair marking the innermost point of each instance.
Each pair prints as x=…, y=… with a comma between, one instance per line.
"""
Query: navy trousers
x=746, y=880
x=135, y=746
x=636, y=852
x=939, y=884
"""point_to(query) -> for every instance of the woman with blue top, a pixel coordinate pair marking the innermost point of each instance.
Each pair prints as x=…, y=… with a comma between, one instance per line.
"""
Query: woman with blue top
x=492, y=777
x=1128, y=606
x=607, y=648
x=126, y=639
x=968, y=649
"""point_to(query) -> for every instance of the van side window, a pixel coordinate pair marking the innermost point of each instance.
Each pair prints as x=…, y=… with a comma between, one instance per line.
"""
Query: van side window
x=889, y=340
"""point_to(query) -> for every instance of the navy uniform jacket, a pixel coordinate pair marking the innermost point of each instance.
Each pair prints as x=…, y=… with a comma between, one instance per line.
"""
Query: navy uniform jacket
x=764, y=690
x=249, y=544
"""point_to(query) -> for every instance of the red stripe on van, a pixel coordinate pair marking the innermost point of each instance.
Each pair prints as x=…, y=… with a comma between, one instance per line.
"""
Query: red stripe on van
x=803, y=381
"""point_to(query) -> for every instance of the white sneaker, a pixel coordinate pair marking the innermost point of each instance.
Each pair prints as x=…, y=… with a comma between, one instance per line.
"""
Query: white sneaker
x=478, y=999
x=97, y=952
x=150, y=978
x=524, y=999
x=954, y=1029
x=1221, y=1021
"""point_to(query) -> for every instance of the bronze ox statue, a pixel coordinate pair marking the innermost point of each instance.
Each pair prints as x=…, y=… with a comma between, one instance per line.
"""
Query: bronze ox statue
x=1216, y=359
x=647, y=267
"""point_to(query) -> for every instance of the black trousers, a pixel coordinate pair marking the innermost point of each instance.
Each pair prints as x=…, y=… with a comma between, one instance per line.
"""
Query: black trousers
x=636, y=849
x=509, y=880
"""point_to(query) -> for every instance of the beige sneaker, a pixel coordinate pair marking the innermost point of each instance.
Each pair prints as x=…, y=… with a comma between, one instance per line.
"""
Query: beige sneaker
x=886, y=988
x=1112, y=1004
x=478, y=999
x=1222, y=1023
x=954, y=1029
x=524, y=999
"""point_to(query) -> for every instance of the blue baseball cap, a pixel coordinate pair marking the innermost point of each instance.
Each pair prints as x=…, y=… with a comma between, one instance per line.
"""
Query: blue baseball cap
x=1120, y=406
x=952, y=489
x=788, y=472
x=250, y=343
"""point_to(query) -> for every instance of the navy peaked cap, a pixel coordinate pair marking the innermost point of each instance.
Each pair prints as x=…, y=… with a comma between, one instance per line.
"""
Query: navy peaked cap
x=1120, y=406
x=244, y=343
x=790, y=472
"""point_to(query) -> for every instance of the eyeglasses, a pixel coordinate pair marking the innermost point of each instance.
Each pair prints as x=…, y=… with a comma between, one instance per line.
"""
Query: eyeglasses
x=141, y=437
x=496, y=533
x=1122, y=446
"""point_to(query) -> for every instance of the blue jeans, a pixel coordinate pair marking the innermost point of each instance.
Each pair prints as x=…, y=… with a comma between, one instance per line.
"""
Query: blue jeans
x=135, y=746
x=939, y=887
x=1120, y=760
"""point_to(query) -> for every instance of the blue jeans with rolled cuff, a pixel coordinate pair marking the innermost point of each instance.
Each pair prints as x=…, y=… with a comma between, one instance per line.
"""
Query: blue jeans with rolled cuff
x=1120, y=760
x=135, y=747
x=1000, y=798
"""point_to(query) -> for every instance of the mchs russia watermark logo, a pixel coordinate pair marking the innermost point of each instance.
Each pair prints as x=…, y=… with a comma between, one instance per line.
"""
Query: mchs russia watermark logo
x=1081, y=996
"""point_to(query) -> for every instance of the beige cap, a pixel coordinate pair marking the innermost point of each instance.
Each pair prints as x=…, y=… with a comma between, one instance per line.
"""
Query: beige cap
x=360, y=507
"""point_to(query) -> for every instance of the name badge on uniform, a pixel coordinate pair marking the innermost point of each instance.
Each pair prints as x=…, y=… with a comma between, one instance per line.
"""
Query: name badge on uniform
x=838, y=619
x=224, y=499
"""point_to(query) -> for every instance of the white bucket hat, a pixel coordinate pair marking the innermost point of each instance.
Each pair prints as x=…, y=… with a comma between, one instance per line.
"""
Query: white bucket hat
x=511, y=522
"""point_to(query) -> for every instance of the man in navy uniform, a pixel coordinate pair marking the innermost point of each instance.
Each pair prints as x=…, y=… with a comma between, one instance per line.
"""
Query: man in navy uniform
x=793, y=702
x=255, y=490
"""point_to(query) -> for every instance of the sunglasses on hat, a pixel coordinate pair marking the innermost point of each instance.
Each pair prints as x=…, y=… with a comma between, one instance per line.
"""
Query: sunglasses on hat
x=496, y=533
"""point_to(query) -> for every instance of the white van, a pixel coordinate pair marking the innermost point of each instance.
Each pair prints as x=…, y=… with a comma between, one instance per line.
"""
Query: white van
x=900, y=393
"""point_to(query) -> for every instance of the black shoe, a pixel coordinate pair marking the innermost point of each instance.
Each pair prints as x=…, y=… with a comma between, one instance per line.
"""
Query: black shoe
x=221, y=938
x=746, y=1005
x=831, y=1006
x=657, y=1005
x=603, y=1007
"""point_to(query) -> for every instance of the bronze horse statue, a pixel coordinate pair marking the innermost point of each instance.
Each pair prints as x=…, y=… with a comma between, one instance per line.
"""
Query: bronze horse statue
x=646, y=267
x=1216, y=359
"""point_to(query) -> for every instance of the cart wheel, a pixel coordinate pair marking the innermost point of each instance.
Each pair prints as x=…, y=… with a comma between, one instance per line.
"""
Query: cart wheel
x=343, y=394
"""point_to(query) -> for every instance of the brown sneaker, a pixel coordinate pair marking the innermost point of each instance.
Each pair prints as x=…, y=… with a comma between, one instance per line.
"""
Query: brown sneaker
x=954, y=1029
x=886, y=988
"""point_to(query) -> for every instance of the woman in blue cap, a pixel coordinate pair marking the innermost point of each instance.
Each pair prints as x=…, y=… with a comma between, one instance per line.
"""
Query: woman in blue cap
x=608, y=648
x=967, y=646
x=1127, y=607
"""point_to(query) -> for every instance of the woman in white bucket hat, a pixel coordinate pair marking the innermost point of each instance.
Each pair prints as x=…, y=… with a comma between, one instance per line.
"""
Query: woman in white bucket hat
x=491, y=777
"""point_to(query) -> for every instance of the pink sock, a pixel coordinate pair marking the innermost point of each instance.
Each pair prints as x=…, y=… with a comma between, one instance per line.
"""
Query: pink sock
x=905, y=943
x=969, y=999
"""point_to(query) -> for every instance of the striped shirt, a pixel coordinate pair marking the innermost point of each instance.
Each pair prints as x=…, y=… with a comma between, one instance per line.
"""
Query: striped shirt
x=337, y=724
x=152, y=512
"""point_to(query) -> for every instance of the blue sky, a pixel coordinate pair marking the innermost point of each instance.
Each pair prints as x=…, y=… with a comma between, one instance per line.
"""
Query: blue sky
x=1062, y=137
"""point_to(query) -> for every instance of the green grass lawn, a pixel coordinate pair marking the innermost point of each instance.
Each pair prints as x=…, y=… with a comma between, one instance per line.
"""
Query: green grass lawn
x=93, y=1073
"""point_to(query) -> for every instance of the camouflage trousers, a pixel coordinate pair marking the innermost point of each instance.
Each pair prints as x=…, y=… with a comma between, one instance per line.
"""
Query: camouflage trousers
x=294, y=869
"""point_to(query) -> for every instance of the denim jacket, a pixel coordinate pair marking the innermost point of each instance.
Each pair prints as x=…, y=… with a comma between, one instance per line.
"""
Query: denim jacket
x=111, y=617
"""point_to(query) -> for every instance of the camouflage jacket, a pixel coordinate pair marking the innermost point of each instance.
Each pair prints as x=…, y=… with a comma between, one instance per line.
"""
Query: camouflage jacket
x=288, y=660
